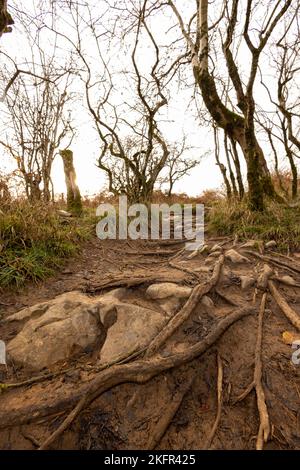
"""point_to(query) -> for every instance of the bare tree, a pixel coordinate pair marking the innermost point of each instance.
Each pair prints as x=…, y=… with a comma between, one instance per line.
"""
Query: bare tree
x=239, y=127
x=178, y=165
x=74, y=203
x=37, y=124
x=133, y=149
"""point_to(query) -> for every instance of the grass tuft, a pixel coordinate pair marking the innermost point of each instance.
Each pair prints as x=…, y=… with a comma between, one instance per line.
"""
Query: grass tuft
x=278, y=222
x=34, y=241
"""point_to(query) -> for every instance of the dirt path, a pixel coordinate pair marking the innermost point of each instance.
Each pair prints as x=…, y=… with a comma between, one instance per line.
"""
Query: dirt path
x=177, y=408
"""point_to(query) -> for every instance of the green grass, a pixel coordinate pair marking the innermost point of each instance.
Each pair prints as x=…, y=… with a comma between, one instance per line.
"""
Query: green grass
x=278, y=222
x=35, y=241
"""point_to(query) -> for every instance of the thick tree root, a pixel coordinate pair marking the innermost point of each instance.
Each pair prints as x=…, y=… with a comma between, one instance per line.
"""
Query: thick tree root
x=292, y=316
x=169, y=414
x=264, y=427
x=129, y=281
x=139, y=371
x=198, y=292
x=219, y=405
x=277, y=262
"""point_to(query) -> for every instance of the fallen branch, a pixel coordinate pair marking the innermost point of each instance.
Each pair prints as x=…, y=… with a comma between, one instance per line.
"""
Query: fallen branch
x=292, y=316
x=139, y=371
x=197, y=293
x=219, y=405
x=169, y=414
x=130, y=281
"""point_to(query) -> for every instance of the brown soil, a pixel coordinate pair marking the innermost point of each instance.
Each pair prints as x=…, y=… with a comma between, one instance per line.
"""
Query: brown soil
x=129, y=416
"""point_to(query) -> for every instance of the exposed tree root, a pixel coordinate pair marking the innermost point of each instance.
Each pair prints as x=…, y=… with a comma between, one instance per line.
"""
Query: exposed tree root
x=264, y=427
x=225, y=298
x=184, y=269
x=273, y=260
x=169, y=414
x=219, y=405
x=151, y=253
x=124, y=280
x=197, y=293
x=41, y=378
x=292, y=316
x=139, y=371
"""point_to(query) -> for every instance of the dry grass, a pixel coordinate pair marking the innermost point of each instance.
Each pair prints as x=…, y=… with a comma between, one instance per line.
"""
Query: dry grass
x=34, y=240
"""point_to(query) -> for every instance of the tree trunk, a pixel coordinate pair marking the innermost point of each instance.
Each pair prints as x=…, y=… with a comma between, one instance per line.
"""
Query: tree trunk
x=235, y=156
x=5, y=18
x=74, y=204
x=231, y=174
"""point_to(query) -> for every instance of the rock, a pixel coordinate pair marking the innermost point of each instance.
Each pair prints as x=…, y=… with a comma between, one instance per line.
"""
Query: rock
x=206, y=301
x=235, y=257
x=169, y=296
x=252, y=244
x=215, y=254
x=287, y=280
x=264, y=277
x=133, y=330
x=64, y=327
x=246, y=282
x=63, y=213
x=167, y=289
x=75, y=297
x=215, y=248
x=271, y=244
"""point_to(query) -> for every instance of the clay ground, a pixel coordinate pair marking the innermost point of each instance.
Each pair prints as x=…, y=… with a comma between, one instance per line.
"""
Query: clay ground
x=175, y=409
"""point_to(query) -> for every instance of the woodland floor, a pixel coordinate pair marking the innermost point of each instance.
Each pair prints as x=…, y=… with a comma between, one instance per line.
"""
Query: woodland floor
x=176, y=408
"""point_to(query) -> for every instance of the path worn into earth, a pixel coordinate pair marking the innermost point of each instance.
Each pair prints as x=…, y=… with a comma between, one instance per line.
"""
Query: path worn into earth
x=219, y=375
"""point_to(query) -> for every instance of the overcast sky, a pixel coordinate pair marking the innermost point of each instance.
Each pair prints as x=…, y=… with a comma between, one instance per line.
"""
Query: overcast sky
x=180, y=117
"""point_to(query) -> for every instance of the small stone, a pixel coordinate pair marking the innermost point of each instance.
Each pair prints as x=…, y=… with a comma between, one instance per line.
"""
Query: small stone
x=271, y=244
x=63, y=213
x=251, y=244
x=167, y=289
x=216, y=248
x=246, y=282
x=264, y=277
x=169, y=296
x=235, y=257
x=287, y=280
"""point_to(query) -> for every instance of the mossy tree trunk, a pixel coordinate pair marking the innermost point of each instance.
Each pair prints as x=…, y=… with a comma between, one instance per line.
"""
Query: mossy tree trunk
x=74, y=203
x=239, y=128
x=5, y=18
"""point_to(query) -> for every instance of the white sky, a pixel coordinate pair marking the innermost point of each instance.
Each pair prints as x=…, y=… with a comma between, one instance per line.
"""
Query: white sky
x=86, y=144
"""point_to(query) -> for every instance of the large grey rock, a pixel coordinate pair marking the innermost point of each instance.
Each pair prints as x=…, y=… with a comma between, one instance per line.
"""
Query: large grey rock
x=68, y=325
x=74, y=297
x=55, y=330
x=168, y=295
x=133, y=329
